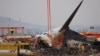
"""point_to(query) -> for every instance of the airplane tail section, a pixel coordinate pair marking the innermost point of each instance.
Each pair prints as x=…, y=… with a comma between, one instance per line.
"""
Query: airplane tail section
x=70, y=18
x=72, y=35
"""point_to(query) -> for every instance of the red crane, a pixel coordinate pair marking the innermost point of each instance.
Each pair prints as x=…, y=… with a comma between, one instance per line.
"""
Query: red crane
x=49, y=18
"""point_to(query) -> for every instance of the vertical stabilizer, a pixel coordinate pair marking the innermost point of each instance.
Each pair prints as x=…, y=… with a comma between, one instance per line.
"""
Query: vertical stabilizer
x=65, y=26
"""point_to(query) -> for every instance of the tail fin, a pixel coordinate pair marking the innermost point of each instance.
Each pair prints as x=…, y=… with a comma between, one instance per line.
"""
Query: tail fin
x=70, y=18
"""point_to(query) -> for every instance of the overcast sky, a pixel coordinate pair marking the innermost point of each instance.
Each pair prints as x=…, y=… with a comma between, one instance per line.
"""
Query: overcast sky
x=35, y=11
